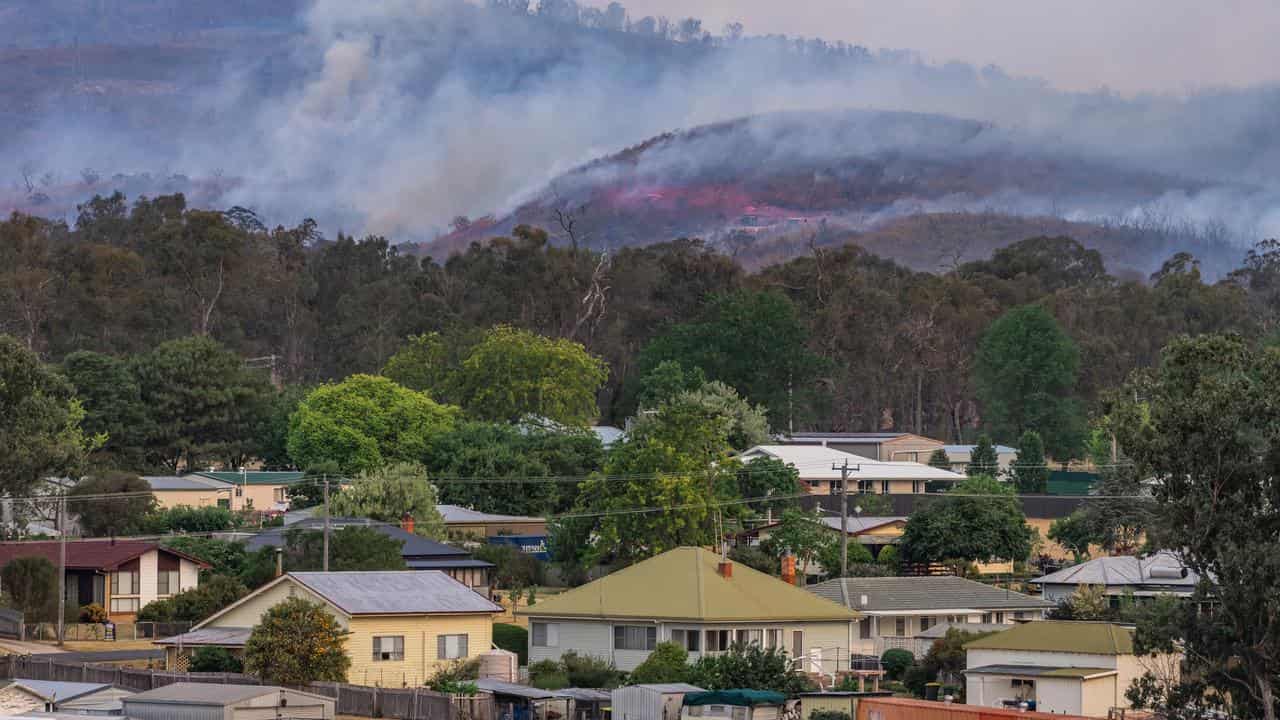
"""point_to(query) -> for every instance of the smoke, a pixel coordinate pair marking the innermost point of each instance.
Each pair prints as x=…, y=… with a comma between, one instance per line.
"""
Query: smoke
x=394, y=117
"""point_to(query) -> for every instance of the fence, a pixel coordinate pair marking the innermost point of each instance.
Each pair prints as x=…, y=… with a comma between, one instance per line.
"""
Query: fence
x=358, y=700
x=10, y=623
x=99, y=631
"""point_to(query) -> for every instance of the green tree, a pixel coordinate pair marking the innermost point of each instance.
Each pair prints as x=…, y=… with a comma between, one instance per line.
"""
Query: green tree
x=224, y=557
x=940, y=460
x=31, y=586
x=1088, y=602
x=1074, y=534
x=274, y=450
x=513, y=569
x=668, y=663
x=297, y=642
x=983, y=459
x=859, y=557
x=214, y=593
x=113, y=407
x=514, y=374
x=388, y=494
x=1026, y=372
x=431, y=363
x=187, y=519
x=354, y=547
x=805, y=536
x=714, y=407
x=365, y=422
x=944, y=662
x=201, y=402
x=888, y=559
x=1206, y=428
x=101, y=514
x=766, y=476
x=979, y=521
x=755, y=558
x=215, y=660
x=1030, y=471
x=512, y=638
x=40, y=433
x=748, y=667
x=895, y=662
x=668, y=379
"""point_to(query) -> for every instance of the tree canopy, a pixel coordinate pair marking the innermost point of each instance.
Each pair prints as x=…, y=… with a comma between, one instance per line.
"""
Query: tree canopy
x=978, y=520
x=102, y=515
x=297, y=642
x=352, y=548
x=388, y=494
x=1029, y=472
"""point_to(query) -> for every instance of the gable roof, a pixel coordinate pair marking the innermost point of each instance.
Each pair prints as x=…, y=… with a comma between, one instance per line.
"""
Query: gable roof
x=256, y=477
x=414, y=545
x=459, y=514
x=886, y=594
x=683, y=584
x=857, y=523
x=191, y=693
x=968, y=449
x=816, y=462
x=404, y=592
x=52, y=690
x=1090, y=638
x=1162, y=568
x=161, y=483
x=102, y=554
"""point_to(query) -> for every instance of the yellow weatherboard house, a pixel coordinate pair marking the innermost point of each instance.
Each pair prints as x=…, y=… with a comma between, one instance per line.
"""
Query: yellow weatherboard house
x=402, y=626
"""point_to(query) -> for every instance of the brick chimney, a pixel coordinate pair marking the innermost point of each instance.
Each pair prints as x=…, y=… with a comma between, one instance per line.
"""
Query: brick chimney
x=406, y=523
x=725, y=569
x=789, y=569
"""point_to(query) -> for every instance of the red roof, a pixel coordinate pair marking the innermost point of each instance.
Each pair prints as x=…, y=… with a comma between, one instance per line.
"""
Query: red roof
x=87, y=554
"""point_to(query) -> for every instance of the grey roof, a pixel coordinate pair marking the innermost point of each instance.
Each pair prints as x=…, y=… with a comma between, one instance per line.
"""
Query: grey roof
x=220, y=636
x=848, y=436
x=445, y=564
x=886, y=594
x=670, y=687
x=459, y=514
x=184, y=482
x=52, y=690
x=498, y=687
x=584, y=694
x=1040, y=670
x=413, y=545
x=1000, y=449
x=407, y=592
x=608, y=434
x=201, y=694
x=940, y=630
x=863, y=523
x=1125, y=570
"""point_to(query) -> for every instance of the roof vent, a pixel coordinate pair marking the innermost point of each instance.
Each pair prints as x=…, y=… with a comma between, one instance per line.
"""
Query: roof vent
x=863, y=599
x=1168, y=573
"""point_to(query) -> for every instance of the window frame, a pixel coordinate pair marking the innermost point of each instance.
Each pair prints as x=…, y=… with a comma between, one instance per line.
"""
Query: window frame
x=899, y=626
x=623, y=635
x=134, y=582
x=690, y=639
x=392, y=655
x=462, y=647
x=132, y=604
x=718, y=640
x=550, y=634
x=168, y=582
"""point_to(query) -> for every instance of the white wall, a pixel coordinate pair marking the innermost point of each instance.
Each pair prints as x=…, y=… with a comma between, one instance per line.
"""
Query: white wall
x=979, y=658
x=148, y=566
x=188, y=574
x=584, y=637
x=1060, y=695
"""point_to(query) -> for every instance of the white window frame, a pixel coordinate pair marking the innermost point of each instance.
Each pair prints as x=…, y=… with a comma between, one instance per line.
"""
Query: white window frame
x=749, y=636
x=135, y=585
x=550, y=634
x=774, y=639
x=719, y=635
x=388, y=648
x=125, y=604
x=624, y=640
x=461, y=646
x=689, y=638
x=168, y=582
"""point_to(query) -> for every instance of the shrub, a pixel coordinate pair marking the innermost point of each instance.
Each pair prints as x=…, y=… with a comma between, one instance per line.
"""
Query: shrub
x=513, y=569
x=589, y=671
x=93, y=613
x=548, y=675
x=829, y=715
x=215, y=659
x=756, y=559
x=456, y=678
x=297, y=642
x=513, y=638
x=667, y=663
x=31, y=586
x=196, y=604
x=888, y=557
x=895, y=662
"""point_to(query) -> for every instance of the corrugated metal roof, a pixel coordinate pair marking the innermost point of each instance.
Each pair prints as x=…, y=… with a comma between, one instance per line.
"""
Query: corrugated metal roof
x=817, y=462
x=505, y=688
x=886, y=594
x=1125, y=570
x=414, y=545
x=1090, y=638
x=459, y=514
x=683, y=584
x=220, y=636
x=968, y=449
x=940, y=630
x=584, y=694
x=432, y=564
x=184, y=482
x=257, y=477
x=201, y=694
x=1041, y=671
x=669, y=687
x=51, y=690
x=87, y=554
x=408, y=592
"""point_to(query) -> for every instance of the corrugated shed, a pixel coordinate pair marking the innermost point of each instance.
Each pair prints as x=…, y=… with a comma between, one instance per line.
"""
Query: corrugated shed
x=650, y=702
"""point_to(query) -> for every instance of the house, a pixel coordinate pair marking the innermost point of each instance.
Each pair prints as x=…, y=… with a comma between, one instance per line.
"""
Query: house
x=896, y=610
x=402, y=626
x=1080, y=668
x=884, y=446
x=1141, y=577
x=262, y=490
x=959, y=456
x=512, y=701
x=819, y=470
x=419, y=553
x=480, y=525
x=609, y=435
x=227, y=702
x=82, y=698
x=189, y=490
x=692, y=597
x=120, y=575
x=873, y=532
x=658, y=701
x=735, y=705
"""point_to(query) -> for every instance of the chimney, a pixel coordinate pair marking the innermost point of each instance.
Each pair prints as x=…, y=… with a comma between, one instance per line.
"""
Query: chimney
x=789, y=569
x=725, y=569
x=406, y=523
x=279, y=561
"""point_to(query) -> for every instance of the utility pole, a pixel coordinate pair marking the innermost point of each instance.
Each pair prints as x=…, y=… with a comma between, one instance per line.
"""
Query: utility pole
x=62, y=563
x=844, y=516
x=326, y=523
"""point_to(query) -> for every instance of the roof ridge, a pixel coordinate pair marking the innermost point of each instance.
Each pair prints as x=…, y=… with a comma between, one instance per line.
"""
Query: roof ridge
x=702, y=597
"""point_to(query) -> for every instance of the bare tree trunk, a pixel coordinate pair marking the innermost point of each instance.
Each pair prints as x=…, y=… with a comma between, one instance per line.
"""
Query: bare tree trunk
x=1268, y=700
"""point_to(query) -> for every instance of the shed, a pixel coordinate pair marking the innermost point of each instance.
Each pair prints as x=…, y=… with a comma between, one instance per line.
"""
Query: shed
x=588, y=703
x=836, y=701
x=735, y=705
x=661, y=701
x=512, y=701
x=200, y=701
x=22, y=695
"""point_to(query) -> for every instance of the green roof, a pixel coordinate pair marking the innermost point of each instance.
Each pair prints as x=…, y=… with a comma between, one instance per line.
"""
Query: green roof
x=683, y=584
x=1041, y=671
x=741, y=698
x=1092, y=638
x=256, y=477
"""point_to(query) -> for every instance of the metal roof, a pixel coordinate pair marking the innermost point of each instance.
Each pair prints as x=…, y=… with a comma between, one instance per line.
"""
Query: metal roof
x=1162, y=568
x=51, y=690
x=184, y=482
x=433, y=564
x=584, y=694
x=847, y=436
x=408, y=592
x=669, y=687
x=498, y=687
x=968, y=449
x=683, y=584
x=1042, y=671
x=887, y=594
x=940, y=630
x=104, y=554
x=219, y=636
x=608, y=434
x=187, y=693
x=816, y=462
x=1088, y=638
x=459, y=514
x=414, y=545
x=256, y=477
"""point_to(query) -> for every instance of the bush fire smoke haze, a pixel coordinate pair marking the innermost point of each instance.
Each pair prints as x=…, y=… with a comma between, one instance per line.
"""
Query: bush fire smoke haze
x=442, y=121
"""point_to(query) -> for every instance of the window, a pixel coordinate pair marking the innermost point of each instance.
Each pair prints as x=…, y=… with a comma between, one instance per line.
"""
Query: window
x=124, y=605
x=451, y=647
x=750, y=637
x=634, y=637
x=925, y=622
x=239, y=491
x=224, y=503
x=389, y=647
x=986, y=618
x=864, y=629
x=1019, y=615
x=773, y=639
x=900, y=626
x=999, y=618
x=884, y=487
x=718, y=640
x=864, y=487
x=167, y=582
x=545, y=634
x=278, y=494
x=688, y=639
x=124, y=583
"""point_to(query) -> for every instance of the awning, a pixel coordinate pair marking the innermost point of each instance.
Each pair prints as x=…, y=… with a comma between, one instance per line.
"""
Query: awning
x=741, y=698
x=1083, y=673
x=214, y=636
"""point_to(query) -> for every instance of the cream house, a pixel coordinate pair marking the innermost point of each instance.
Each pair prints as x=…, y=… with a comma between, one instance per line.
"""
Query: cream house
x=1076, y=668
x=402, y=626
x=819, y=469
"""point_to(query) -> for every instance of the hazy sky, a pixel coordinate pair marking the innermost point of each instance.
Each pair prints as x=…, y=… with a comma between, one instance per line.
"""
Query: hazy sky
x=1127, y=45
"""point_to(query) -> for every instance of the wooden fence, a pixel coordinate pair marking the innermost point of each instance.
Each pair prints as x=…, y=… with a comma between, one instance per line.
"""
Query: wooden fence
x=359, y=700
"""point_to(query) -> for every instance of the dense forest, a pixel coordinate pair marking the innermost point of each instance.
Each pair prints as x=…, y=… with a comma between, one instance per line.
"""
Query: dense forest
x=838, y=339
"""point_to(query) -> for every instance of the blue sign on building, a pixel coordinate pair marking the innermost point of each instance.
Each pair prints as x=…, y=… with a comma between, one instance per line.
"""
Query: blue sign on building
x=535, y=545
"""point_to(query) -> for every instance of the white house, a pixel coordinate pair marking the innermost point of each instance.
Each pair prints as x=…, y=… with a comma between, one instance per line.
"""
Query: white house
x=1076, y=668
x=959, y=456
x=819, y=468
x=1141, y=577
x=899, y=611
